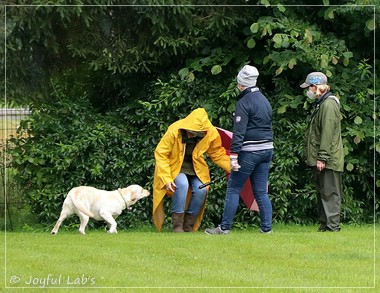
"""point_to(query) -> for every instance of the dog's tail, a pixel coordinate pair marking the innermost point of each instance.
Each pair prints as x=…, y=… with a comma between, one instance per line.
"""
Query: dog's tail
x=79, y=205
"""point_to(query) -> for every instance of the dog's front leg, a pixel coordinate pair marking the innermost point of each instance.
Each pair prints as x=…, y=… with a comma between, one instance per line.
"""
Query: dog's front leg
x=107, y=216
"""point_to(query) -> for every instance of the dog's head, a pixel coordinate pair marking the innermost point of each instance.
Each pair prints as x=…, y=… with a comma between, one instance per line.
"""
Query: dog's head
x=133, y=193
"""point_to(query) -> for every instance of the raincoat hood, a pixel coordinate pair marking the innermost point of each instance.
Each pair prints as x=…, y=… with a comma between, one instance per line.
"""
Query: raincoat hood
x=197, y=120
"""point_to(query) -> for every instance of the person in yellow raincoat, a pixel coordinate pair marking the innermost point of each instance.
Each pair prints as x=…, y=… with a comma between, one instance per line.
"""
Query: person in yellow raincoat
x=181, y=168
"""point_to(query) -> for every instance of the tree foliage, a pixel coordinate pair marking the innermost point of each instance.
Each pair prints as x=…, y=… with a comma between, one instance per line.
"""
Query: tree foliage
x=106, y=80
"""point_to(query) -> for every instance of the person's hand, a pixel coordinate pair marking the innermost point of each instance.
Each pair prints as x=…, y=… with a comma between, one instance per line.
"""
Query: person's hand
x=170, y=186
x=321, y=166
x=234, y=162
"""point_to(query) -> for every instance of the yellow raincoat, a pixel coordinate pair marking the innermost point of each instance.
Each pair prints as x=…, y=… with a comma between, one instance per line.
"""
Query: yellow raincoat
x=169, y=155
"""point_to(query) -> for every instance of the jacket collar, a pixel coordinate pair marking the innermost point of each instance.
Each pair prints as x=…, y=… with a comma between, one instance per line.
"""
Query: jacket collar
x=248, y=90
x=321, y=99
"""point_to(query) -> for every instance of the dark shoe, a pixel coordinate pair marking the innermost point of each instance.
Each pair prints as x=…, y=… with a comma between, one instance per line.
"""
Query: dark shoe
x=216, y=231
x=188, y=222
x=177, y=223
x=322, y=228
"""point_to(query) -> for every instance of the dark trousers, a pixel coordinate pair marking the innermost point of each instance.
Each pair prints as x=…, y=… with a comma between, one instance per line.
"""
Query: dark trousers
x=329, y=198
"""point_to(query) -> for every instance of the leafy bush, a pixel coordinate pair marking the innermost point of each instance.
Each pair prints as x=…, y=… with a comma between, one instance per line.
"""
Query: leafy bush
x=110, y=101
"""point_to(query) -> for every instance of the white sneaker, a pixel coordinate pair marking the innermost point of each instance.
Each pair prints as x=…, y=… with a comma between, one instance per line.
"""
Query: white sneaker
x=266, y=232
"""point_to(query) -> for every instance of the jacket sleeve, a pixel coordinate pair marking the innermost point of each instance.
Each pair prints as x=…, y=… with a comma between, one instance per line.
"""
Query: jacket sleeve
x=162, y=154
x=217, y=154
x=330, y=118
x=241, y=118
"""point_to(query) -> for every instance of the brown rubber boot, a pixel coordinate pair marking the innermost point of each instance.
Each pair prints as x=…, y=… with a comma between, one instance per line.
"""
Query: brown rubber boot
x=177, y=223
x=189, y=222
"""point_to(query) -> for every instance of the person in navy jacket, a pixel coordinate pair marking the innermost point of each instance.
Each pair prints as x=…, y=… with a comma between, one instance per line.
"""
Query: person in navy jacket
x=251, y=151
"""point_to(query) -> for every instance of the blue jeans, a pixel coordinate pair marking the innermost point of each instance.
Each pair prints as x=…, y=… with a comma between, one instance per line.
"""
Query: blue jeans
x=255, y=166
x=183, y=181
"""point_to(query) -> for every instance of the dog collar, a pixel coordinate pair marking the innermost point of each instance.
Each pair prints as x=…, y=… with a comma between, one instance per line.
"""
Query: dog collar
x=123, y=198
x=128, y=207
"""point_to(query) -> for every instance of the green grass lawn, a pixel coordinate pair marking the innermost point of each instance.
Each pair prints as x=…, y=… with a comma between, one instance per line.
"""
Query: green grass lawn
x=292, y=259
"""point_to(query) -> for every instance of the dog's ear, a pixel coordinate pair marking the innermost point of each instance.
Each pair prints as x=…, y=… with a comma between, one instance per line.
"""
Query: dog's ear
x=125, y=192
x=133, y=195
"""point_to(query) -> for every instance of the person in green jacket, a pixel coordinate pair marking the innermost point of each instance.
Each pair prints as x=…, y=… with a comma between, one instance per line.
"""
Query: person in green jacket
x=324, y=150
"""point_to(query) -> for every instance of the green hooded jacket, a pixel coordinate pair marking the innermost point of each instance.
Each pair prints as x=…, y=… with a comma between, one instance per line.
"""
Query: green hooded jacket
x=323, y=139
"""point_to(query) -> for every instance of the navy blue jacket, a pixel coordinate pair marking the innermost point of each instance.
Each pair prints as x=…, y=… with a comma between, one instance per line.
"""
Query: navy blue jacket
x=252, y=120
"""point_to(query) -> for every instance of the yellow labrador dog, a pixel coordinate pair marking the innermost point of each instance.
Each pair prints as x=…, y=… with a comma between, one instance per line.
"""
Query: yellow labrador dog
x=89, y=202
